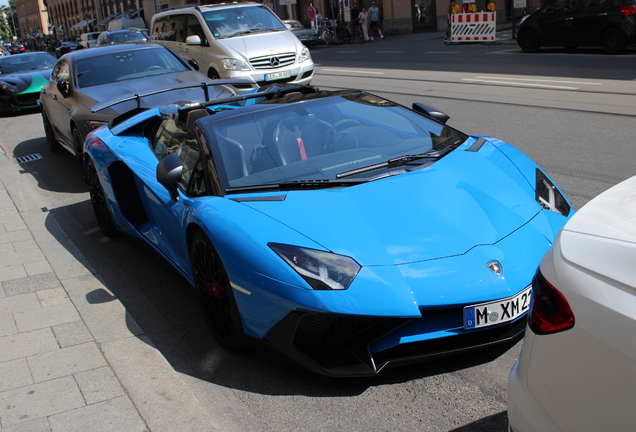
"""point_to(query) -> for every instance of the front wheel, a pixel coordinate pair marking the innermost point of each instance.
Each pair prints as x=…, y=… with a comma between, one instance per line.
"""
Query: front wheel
x=98, y=200
x=78, y=145
x=613, y=41
x=529, y=41
x=214, y=289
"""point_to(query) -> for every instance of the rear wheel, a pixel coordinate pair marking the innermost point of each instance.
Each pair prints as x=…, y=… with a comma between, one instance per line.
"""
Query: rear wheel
x=613, y=41
x=98, y=200
x=48, y=132
x=213, y=287
x=529, y=41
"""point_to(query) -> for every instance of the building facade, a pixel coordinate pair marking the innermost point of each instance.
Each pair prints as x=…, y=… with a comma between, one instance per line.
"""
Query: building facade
x=67, y=19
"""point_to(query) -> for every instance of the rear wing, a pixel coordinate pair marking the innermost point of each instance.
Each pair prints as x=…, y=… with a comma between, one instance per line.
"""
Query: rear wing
x=203, y=85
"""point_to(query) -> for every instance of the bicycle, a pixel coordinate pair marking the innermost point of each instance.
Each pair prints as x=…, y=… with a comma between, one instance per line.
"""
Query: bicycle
x=328, y=34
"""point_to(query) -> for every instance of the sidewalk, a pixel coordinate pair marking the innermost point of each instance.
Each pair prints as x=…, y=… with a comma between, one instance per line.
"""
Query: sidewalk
x=71, y=358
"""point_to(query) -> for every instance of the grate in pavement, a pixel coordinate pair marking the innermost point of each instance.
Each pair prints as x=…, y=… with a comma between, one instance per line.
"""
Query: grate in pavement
x=29, y=158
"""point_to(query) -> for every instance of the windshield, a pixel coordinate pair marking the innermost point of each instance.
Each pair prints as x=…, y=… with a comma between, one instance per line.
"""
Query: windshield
x=26, y=62
x=225, y=23
x=126, y=65
x=322, y=138
x=127, y=37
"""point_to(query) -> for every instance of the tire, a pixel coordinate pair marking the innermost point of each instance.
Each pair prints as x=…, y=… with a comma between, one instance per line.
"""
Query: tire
x=529, y=41
x=213, y=288
x=212, y=74
x=78, y=146
x=98, y=200
x=50, y=135
x=613, y=41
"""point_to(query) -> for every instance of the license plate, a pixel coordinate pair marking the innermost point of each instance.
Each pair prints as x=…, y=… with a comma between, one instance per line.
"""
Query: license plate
x=497, y=312
x=277, y=75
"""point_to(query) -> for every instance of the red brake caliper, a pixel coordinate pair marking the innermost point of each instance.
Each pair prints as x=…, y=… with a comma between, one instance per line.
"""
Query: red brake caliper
x=213, y=289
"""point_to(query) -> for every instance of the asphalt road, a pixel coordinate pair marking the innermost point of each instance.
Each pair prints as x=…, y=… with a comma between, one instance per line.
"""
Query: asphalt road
x=572, y=112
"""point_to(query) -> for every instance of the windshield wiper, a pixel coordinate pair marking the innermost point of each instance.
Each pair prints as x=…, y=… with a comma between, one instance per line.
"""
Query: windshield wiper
x=396, y=162
x=295, y=185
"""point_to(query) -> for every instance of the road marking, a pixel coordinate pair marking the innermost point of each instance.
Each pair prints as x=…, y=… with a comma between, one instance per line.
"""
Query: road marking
x=540, y=80
x=442, y=52
x=482, y=81
x=361, y=71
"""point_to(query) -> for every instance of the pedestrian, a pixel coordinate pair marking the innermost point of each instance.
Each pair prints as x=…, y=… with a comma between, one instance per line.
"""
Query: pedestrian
x=363, y=18
x=374, y=20
x=449, y=13
x=319, y=20
x=354, y=19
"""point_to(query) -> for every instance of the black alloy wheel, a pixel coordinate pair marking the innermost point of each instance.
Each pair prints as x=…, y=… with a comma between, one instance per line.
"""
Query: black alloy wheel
x=613, y=41
x=98, y=200
x=217, y=299
x=48, y=132
x=529, y=41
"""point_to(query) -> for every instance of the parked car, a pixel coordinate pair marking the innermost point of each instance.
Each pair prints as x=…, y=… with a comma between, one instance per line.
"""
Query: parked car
x=88, y=40
x=307, y=36
x=120, y=37
x=580, y=23
x=235, y=40
x=576, y=368
x=84, y=78
x=21, y=78
x=4, y=51
x=65, y=47
x=17, y=49
x=342, y=229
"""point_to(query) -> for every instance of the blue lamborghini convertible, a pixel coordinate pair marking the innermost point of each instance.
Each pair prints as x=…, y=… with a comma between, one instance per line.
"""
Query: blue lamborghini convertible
x=339, y=228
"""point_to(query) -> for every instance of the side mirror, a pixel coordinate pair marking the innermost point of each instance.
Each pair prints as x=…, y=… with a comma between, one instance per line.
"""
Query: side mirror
x=193, y=40
x=169, y=172
x=195, y=64
x=431, y=112
x=289, y=27
x=62, y=86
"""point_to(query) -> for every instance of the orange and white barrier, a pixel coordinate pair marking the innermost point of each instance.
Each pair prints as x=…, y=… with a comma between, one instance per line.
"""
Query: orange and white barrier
x=474, y=27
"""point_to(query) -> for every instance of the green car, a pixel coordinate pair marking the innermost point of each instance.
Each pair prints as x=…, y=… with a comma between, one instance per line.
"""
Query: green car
x=22, y=76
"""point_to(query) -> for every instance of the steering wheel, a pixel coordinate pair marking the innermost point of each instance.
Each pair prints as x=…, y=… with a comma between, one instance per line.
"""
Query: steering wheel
x=154, y=69
x=334, y=128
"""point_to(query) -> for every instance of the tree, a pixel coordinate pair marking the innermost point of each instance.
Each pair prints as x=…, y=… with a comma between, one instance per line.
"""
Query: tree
x=5, y=30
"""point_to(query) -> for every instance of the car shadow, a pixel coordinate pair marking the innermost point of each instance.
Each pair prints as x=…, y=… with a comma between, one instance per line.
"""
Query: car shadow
x=54, y=171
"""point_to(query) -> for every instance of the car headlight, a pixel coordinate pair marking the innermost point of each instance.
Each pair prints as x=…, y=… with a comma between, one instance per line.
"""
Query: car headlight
x=322, y=270
x=8, y=88
x=549, y=197
x=304, y=55
x=235, y=64
x=91, y=125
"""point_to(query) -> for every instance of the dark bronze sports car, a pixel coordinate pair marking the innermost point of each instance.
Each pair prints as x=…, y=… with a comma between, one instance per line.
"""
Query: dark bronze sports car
x=21, y=79
x=84, y=79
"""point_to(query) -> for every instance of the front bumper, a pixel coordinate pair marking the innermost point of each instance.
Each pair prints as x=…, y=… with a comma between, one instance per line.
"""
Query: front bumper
x=344, y=345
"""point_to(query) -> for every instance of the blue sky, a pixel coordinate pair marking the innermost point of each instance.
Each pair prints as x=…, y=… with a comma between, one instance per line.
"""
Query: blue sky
x=4, y=2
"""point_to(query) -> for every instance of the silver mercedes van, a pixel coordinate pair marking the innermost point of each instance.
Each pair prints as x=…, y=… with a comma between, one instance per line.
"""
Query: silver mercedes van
x=235, y=40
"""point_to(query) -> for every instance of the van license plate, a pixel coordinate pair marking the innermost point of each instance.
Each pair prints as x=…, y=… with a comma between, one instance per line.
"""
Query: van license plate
x=497, y=312
x=277, y=75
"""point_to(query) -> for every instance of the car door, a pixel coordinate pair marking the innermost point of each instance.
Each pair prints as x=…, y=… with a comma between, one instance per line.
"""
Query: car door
x=589, y=22
x=57, y=105
x=556, y=20
x=166, y=214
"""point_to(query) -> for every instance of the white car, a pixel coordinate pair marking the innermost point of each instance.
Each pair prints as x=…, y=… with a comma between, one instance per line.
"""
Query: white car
x=243, y=40
x=577, y=368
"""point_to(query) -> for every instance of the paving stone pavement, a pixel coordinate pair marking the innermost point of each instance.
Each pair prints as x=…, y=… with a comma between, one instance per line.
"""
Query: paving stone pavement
x=68, y=363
